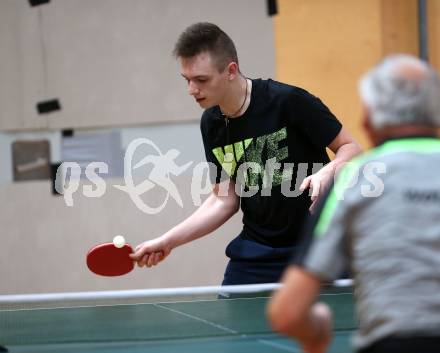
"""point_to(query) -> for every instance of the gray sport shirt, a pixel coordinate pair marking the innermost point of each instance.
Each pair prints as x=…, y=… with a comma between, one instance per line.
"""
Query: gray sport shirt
x=381, y=220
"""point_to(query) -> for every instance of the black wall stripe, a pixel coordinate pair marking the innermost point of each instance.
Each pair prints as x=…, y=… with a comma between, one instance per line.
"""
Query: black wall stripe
x=67, y=133
x=48, y=106
x=38, y=2
x=272, y=8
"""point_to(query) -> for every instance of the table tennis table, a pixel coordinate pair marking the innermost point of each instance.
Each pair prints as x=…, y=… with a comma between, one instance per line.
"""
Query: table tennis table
x=164, y=324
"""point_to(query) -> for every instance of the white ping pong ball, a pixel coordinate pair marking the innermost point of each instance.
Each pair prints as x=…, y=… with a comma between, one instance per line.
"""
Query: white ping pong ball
x=119, y=241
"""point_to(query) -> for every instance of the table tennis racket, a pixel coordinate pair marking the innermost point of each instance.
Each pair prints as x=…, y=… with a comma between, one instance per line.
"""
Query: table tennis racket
x=108, y=260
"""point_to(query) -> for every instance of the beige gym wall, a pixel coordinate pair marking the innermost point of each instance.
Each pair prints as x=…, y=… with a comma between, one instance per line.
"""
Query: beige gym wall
x=325, y=46
x=110, y=63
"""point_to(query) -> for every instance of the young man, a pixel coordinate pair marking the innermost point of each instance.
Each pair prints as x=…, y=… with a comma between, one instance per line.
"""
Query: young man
x=255, y=132
x=391, y=239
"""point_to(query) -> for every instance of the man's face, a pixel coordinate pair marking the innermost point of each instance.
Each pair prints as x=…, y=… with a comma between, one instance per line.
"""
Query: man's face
x=206, y=84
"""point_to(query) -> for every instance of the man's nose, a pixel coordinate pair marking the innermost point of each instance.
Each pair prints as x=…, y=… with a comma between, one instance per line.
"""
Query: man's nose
x=192, y=89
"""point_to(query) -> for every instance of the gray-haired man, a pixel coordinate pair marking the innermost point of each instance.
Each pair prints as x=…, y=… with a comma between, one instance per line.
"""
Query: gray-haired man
x=391, y=242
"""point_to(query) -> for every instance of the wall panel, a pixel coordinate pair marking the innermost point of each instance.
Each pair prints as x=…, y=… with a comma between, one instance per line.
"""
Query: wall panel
x=109, y=61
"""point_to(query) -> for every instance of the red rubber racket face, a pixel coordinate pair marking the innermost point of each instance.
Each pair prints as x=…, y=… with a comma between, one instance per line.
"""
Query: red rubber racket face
x=108, y=260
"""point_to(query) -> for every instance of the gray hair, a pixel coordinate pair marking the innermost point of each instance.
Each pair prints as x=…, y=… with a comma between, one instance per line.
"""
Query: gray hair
x=401, y=90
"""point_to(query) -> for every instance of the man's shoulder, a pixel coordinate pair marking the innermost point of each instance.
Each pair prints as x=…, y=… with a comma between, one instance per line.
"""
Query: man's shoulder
x=283, y=90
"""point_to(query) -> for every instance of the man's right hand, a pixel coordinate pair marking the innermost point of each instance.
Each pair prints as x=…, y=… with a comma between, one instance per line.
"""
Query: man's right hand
x=214, y=211
x=151, y=252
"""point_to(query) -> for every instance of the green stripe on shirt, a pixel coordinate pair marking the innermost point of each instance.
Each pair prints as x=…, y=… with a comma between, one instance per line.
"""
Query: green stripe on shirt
x=348, y=172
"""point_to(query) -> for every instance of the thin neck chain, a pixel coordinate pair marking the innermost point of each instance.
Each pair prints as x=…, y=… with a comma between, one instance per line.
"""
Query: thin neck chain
x=242, y=105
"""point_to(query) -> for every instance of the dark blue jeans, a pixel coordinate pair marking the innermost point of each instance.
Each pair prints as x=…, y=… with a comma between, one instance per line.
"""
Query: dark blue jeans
x=241, y=272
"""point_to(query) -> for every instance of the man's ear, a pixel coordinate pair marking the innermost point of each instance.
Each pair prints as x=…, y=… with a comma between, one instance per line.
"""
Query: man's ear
x=372, y=133
x=365, y=119
x=232, y=70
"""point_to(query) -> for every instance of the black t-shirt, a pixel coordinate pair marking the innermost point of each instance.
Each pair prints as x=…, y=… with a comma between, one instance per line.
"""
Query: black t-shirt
x=283, y=124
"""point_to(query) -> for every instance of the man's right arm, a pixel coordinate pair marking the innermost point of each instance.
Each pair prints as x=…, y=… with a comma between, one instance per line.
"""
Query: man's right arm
x=221, y=205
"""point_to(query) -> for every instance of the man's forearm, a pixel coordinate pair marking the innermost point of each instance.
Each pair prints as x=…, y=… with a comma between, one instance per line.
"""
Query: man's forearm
x=344, y=154
x=214, y=212
x=292, y=311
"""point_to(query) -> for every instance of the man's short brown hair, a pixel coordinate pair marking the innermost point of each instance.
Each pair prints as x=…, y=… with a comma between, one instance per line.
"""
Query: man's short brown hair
x=206, y=37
